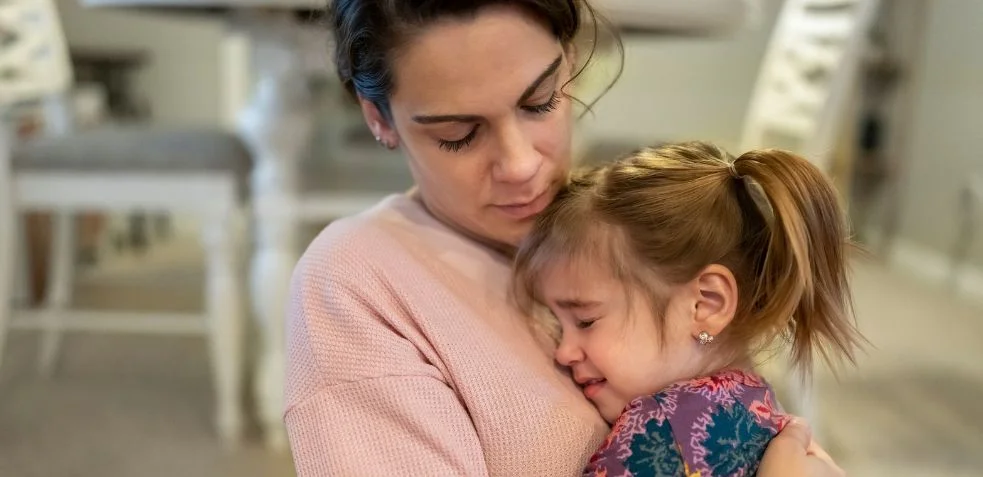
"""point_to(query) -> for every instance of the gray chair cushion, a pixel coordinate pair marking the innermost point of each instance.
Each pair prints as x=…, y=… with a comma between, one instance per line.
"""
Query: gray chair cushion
x=139, y=149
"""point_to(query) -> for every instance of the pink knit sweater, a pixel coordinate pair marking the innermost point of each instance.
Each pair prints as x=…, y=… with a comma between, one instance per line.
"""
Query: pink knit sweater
x=406, y=358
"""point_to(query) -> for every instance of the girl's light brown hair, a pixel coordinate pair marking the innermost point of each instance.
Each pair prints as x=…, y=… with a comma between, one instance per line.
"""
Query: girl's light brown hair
x=663, y=214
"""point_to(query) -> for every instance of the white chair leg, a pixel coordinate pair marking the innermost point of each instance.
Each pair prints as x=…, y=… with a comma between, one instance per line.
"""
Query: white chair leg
x=8, y=259
x=59, y=296
x=22, y=265
x=969, y=205
x=272, y=265
x=224, y=284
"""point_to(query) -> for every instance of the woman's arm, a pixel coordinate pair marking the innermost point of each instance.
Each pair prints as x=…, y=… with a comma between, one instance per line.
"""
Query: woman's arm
x=793, y=453
x=361, y=400
x=389, y=426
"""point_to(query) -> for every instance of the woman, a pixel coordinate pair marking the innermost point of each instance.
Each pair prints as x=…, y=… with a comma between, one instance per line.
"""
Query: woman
x=406, y=356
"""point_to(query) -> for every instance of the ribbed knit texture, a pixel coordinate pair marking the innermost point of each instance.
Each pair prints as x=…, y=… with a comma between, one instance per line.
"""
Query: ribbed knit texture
x=405, y=357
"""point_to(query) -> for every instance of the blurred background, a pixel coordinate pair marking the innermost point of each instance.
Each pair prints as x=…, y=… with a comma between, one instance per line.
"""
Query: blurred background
x=168, y=160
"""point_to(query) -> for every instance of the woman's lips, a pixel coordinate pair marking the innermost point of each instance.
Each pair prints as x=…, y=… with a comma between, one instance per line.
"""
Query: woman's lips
x=525, y=210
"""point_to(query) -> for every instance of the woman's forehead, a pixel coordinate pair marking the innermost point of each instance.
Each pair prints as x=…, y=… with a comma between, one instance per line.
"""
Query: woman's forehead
x=473, y=65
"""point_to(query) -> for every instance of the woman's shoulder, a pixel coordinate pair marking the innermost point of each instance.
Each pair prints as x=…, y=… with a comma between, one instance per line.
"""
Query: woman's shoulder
x=396, y=240
x=393, y=251
x=342, y=312
x=370, y=237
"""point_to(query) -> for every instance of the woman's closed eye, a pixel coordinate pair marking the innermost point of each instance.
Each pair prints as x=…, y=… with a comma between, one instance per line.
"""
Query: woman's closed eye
x=543, y=108
x=456, y=145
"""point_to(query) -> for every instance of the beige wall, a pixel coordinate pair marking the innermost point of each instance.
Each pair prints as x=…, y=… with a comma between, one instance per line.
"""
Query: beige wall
x=685, y=88
x=947, y=129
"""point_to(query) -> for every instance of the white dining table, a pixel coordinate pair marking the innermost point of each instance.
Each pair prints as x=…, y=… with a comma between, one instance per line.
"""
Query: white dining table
x=277, y=124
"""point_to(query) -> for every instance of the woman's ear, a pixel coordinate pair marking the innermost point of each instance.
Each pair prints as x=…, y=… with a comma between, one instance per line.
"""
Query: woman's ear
x=715, y=289
x=572, y=53
x=383, y=131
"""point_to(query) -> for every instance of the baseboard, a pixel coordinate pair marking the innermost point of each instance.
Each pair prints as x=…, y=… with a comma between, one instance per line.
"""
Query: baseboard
x=934, y=267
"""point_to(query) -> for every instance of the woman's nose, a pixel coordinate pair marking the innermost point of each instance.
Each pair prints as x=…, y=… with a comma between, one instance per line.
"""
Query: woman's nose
x=518, y=161
x=568, y=352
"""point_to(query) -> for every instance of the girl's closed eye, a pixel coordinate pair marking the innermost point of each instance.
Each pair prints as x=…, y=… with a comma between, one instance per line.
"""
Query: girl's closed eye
x=586, y=323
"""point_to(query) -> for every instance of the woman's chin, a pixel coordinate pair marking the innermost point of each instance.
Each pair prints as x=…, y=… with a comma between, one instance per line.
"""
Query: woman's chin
x=511, y=233
x=515, y=238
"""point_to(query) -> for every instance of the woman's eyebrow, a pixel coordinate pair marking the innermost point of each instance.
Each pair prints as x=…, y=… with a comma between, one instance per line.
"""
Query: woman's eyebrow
x=531, y=90
x=447, y=118
x=471, y=118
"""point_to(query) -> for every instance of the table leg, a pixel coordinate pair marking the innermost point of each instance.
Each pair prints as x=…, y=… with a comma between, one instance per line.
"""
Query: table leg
x=277, y=126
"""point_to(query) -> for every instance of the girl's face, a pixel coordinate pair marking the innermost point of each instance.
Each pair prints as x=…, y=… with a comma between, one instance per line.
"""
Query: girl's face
x=479, y=112
x=611, y=341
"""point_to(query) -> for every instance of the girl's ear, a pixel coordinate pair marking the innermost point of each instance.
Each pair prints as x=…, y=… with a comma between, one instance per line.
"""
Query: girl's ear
x=715, y=289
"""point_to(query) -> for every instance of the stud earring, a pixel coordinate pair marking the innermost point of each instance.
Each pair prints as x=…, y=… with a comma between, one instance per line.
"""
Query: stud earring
x=705, y=338
x=384, y=143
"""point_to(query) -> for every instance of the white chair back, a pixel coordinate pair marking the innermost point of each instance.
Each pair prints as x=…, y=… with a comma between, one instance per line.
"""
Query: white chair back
x=809, y=72
x=34, y=65
x=34, y=61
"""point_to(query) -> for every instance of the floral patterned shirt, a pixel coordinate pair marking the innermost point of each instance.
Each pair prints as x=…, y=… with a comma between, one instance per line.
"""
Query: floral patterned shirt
x=712, y=426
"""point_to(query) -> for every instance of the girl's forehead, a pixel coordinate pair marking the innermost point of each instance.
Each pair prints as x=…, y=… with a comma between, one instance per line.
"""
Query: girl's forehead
x=576, y=274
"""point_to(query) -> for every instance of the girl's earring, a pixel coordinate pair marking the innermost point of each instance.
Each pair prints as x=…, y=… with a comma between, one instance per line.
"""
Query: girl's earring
x=705, y=338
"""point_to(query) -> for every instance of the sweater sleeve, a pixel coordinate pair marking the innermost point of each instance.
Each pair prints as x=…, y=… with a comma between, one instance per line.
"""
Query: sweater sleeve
x=361, y=399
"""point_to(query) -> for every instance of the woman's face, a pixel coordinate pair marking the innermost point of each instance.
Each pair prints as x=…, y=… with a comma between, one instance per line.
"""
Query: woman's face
x=479, y=112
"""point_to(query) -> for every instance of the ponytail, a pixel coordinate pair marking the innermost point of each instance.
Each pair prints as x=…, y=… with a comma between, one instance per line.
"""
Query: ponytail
x=802, y=274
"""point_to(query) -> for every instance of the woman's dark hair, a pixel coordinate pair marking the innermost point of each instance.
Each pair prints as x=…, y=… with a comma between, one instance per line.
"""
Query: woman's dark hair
x=368, y=33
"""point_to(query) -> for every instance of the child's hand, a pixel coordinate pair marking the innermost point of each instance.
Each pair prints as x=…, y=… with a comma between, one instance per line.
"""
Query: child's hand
x=793, y=453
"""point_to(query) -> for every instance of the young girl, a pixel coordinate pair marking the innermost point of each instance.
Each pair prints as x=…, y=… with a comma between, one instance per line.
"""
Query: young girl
x=666, y=271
